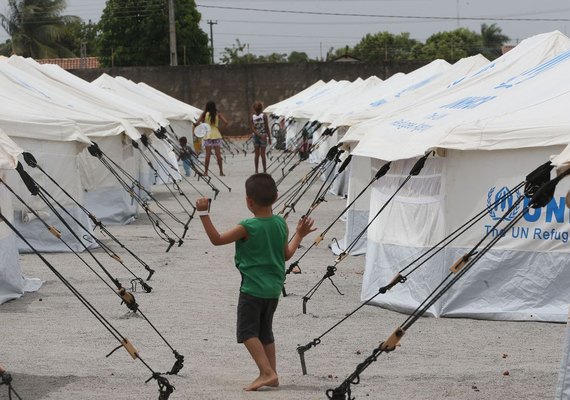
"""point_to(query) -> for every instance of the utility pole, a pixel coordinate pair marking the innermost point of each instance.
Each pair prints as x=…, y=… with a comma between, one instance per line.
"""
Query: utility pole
x=172, y=31
x=211, y=23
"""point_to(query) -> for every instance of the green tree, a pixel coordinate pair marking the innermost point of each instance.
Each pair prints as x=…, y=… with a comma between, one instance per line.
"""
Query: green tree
x=236, y=54
x=384, y=46
x=136, y=32
x=78, y=34
x=492, y=40
x=35, y=28
x=298, y=57
x=452, y=45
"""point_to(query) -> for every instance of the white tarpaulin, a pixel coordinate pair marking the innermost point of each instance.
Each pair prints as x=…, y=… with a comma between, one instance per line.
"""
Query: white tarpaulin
x=281, y=107
x=138, y=95
x=44, y=94
x=12, y=282
x=388, y=97
x=523, y=276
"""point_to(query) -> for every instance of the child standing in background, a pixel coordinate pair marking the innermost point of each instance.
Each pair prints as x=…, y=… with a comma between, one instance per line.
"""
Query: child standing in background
x=261, y=137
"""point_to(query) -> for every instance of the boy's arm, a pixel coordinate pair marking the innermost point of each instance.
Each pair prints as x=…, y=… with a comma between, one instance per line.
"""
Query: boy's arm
x=304, y=227
x=216, y=237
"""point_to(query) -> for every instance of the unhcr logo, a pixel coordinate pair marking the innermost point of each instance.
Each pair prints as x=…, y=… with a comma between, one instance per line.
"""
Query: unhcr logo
x=502, y=202
x=499, y=202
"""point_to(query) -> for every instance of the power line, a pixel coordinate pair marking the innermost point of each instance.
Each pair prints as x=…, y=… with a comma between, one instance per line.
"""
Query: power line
x=337, y=14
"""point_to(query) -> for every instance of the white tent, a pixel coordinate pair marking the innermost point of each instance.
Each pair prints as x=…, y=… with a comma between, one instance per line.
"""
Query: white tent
x=495, y=127
x=281, y=107
x=172, y=112
x=55, y=143
x=104, y=196
x=389, y=98
x=12, y=283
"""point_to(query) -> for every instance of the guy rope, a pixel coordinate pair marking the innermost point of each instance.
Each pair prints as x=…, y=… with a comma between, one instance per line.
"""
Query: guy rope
x=156, y=221
x=31, y=161
x=125, y=296
x=6, y=379
x=539, y=189
x=164, y=386
x=331, y=269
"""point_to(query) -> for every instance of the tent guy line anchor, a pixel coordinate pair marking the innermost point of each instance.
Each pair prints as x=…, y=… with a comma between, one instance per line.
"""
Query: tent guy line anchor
x=156, y=221
x=180, y=192
x=400, y=278
x=121, y=292
x=162, y=135
x=381, y=172
x=6, y=379
x=539, y=191
x=331, y=269
x=31, y=161
x=165, y=388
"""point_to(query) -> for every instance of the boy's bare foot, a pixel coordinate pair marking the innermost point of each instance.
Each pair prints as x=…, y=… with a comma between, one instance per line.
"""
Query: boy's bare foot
x=296, y=270
x=270, y=380
x=222, y=174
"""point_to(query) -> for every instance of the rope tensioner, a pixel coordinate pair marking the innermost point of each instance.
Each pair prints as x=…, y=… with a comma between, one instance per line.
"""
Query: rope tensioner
x=540, y=194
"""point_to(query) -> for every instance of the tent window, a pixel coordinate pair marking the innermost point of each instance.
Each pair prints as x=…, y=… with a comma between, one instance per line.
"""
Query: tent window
x=425, y=187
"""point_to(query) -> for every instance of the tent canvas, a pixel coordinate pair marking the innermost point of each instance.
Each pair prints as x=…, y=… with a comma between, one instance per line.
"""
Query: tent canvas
x=391, y=96
x=12, y=282
x=97, y=123
x=520, y=278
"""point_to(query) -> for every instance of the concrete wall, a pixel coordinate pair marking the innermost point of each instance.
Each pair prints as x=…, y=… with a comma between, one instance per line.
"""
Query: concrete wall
x=235, y=87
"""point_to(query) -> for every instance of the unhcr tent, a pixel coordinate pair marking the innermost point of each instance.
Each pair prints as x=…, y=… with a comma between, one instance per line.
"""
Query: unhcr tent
x=104, y=196
x=171, y=112
x=55, y=143
x=491, y=130
x=12, y=283
x=391, y=97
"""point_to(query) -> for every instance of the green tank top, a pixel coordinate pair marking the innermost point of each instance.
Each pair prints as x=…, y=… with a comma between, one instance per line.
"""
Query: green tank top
x=261, y=257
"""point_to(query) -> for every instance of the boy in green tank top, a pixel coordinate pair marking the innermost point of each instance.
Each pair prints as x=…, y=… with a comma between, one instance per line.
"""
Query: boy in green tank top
x=261, y=251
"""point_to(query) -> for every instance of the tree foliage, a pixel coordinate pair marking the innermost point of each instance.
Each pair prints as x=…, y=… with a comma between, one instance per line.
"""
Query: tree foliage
x=36, y=28
x=78, y=35
x=136, y=32
x=239, y=54
x=450, y=46
x=492, y=39
x=385, y=46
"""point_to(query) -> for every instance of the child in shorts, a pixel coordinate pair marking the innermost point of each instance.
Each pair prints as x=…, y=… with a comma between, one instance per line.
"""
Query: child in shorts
x=261, y=251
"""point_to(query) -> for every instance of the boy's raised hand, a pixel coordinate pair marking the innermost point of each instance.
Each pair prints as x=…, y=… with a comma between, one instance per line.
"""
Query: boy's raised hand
x=203, y=204
x=305, y=226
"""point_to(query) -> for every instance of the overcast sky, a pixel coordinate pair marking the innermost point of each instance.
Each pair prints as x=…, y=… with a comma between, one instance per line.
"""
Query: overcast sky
x=313, y=31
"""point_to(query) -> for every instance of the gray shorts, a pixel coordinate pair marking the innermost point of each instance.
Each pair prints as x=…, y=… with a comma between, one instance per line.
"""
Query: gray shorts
x=255, y=318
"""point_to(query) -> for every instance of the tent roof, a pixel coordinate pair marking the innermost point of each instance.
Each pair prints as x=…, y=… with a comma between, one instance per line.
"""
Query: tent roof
x=512, y=91
x=171, y=100
x=314, y=91
x=274, y=108
x=138, y=116
x=312, y=110
x=120, y=88
x=29, y=92
x=369, y=104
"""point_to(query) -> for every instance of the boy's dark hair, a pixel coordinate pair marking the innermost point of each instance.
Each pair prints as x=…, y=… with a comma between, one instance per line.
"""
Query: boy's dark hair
x=183, y=141
x=261, y=188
